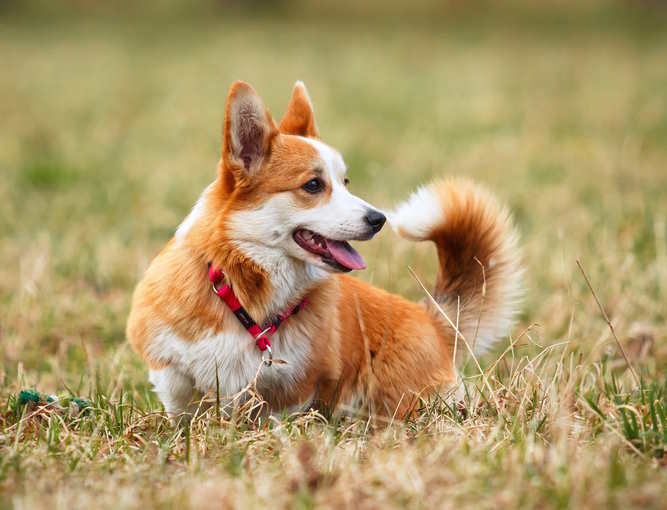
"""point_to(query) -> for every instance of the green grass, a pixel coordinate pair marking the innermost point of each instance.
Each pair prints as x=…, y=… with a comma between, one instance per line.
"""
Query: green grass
x=110, y=130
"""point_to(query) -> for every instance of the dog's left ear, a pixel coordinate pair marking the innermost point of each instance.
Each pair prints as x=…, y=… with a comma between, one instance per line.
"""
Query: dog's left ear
x=248, y=132
x=299, y=119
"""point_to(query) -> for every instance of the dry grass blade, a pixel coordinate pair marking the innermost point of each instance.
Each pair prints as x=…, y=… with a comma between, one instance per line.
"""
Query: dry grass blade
x=609, y=323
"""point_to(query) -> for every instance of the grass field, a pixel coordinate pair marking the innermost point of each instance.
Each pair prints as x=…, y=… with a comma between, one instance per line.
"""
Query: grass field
x=110, y=128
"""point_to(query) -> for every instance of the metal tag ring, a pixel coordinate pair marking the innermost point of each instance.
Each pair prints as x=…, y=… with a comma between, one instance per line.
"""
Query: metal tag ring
x=268, y=361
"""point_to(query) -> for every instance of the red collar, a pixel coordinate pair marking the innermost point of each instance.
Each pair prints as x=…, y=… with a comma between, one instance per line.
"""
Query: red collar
x=261, y=335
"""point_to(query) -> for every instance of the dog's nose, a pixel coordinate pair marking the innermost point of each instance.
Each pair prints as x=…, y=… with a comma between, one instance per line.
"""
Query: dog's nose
x=375, y=219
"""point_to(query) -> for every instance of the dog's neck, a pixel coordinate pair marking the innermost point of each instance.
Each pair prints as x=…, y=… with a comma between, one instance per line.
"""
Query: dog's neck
x=287, y=279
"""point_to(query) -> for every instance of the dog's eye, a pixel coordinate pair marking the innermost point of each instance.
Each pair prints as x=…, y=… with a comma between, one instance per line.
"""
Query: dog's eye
x=346, y=181
x=313, y=186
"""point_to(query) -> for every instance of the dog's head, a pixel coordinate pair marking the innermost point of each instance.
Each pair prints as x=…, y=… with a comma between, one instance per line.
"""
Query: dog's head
x=287, y=190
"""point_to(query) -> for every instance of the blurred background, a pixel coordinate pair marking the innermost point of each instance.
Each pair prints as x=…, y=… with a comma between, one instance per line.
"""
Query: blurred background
x=110, y=127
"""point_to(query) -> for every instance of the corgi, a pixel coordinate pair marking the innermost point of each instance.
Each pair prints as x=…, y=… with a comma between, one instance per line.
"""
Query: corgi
x=258, y=271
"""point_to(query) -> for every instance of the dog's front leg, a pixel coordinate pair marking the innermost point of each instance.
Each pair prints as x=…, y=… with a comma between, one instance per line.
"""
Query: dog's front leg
x=174, y=390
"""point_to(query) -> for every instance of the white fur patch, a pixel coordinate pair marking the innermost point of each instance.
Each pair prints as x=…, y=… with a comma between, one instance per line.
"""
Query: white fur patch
x=173, y=389
x=196, y=213
x=416, y=218
x=233, y=351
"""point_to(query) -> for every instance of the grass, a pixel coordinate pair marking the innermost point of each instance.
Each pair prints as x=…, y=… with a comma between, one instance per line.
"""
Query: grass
x=111, y=128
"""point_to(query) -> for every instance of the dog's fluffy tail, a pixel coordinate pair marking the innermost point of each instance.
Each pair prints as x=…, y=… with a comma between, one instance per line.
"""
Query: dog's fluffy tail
x=480, y=262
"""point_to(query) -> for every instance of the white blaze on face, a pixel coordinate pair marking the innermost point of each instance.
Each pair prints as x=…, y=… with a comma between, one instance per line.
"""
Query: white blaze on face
x=342, y=217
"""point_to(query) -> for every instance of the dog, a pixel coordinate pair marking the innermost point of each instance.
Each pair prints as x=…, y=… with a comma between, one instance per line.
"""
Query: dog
x=256, y=273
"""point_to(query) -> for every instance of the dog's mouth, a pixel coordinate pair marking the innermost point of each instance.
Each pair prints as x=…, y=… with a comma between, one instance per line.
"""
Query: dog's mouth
x=338, y=254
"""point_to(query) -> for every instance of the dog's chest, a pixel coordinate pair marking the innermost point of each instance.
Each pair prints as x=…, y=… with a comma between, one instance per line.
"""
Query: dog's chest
x=233, y=353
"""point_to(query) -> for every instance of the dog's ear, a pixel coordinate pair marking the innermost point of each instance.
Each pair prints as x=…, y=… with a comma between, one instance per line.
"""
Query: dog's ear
x=248, y=131
x=299, y=119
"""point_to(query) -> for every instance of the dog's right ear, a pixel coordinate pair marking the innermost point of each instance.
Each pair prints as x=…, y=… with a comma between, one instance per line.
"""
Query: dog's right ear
x=248, y=131
x=299, y=119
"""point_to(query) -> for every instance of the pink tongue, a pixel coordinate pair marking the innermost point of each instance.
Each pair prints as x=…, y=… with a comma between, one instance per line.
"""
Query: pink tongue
x=345, y=255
